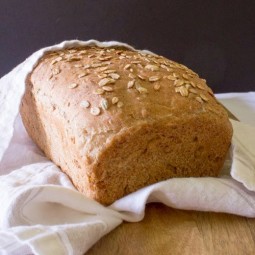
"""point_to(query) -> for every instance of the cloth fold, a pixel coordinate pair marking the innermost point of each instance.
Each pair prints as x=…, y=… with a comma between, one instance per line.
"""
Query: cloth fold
x=243, y=164
x=42, y=213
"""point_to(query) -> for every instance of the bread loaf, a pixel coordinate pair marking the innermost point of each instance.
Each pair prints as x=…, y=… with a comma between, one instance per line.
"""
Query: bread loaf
x=116, y=120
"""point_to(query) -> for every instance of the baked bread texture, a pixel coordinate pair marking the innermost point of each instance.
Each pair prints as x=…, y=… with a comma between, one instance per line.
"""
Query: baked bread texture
x=116, y=120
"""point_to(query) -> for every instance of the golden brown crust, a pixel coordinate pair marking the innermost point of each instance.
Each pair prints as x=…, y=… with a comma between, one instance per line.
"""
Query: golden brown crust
x=116, y=120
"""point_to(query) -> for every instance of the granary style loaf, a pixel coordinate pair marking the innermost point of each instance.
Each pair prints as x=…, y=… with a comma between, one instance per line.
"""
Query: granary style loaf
x=116, y=120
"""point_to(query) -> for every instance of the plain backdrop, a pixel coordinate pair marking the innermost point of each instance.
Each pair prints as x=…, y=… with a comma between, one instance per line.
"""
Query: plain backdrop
x=214, y=38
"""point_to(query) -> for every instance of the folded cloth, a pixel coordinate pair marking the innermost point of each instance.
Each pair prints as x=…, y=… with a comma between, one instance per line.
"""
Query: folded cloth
x=242, y=104
x=42, y=213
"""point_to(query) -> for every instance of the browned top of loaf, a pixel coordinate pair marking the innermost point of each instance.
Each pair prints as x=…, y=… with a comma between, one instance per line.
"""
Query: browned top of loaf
x=106, y=90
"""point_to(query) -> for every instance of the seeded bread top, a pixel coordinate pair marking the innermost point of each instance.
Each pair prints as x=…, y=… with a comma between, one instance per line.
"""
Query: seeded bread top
x=115, y=88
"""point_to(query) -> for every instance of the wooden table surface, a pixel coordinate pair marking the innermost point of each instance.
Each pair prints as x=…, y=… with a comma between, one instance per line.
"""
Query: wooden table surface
x=169, y=231
x=166, y=231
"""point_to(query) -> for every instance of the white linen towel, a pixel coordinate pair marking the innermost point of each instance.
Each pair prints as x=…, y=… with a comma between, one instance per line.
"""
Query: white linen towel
x=42, y=213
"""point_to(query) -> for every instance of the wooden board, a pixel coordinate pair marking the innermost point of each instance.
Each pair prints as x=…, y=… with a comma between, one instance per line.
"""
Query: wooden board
x=169, y=231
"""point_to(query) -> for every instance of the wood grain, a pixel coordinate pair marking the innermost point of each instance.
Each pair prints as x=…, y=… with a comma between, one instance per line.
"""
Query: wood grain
x=169, y=231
